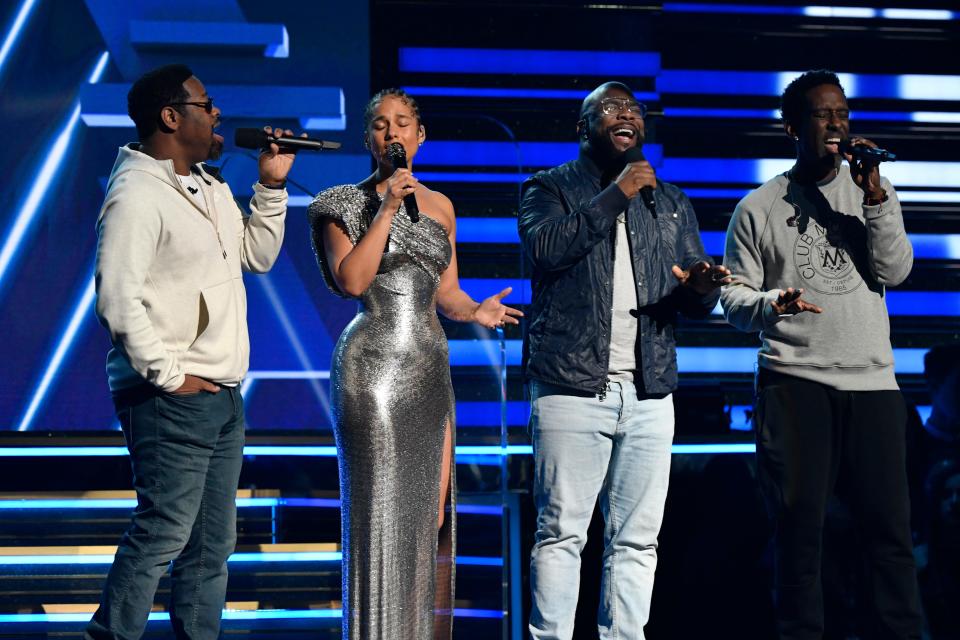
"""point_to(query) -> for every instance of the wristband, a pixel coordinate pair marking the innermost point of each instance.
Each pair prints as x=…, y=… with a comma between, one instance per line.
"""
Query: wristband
x=282, y=185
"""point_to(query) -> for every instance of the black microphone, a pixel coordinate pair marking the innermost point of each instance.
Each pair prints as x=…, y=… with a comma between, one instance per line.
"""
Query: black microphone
x=863, y=152
x=250, y=138
x=635, y=154
x=398, y=158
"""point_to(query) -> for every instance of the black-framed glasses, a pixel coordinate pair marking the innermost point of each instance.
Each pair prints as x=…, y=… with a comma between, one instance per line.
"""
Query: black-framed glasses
x=207, y=106
x=613, y=106
x=827, y=114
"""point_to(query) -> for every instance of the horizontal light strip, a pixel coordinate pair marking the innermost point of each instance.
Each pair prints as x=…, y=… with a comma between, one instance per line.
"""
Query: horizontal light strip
x=686, y=171
x=905, y=196
x=774, y=114
x=509, y=92
x=482, y=288
x=266, y=374
x=228, y=614
x=487, y=230
x=479, y=153
x=812, y=11
x=926, y=246
x=128, y=503
x=280, y=556
x=302, y=450
x=528, y=61
x=899, y=303
x=772, y=83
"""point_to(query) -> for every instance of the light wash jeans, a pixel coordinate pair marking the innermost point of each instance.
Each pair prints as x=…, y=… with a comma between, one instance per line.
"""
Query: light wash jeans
x=618, y=450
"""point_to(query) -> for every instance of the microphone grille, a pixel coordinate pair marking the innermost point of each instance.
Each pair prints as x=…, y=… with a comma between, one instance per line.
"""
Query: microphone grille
x=634, y=154
x=249, y=138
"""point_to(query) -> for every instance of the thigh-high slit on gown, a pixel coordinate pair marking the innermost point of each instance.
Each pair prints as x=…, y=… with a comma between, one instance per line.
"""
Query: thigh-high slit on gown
x=392, y=401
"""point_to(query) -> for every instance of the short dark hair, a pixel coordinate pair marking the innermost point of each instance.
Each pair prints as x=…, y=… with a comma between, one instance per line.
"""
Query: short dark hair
x=793, y=101
x=379, y=97
x=152, y=92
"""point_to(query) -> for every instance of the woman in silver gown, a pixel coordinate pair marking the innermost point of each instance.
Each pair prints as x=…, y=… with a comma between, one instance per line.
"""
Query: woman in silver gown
x=390, y=384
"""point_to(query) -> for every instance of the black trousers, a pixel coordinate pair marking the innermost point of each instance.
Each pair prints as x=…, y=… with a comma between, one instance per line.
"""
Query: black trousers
x=812, y=441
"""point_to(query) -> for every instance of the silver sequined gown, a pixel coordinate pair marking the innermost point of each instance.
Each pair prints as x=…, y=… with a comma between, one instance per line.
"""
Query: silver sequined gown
x=392, y=398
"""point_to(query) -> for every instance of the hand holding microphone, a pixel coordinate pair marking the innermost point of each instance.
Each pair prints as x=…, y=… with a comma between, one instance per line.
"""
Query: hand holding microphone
x=398, y=158
x=638, y=177
x=864, y=158
x=277, y=147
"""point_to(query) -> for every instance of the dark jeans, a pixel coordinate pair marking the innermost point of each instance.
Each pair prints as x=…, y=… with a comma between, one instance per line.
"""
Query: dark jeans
x=813, y=440
x=186, y=453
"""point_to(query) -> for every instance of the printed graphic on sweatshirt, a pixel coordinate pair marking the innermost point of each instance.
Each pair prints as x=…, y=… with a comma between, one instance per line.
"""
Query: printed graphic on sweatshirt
x=824, y=261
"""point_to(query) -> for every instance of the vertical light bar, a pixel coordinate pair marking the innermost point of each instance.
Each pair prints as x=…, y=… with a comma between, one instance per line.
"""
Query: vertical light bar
x=82, y=308
x=15, y=28
x=44, y=178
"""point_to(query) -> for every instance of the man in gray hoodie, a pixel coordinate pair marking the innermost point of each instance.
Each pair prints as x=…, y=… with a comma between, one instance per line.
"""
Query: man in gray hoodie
x=172, y=245
x=812, y=251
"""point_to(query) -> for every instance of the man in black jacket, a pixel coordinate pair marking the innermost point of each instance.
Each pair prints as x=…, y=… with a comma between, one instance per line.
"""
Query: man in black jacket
x=610, y=275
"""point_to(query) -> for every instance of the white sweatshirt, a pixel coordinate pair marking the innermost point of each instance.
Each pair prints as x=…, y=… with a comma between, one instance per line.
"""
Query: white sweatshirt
x=168, y=273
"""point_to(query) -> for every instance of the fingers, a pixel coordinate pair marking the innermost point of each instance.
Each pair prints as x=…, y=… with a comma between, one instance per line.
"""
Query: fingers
x=503, y=294
x=720, y=274
x=635, y=176
x=789, y=302
x=209, y=386
x=857, y=141
x=679, y=273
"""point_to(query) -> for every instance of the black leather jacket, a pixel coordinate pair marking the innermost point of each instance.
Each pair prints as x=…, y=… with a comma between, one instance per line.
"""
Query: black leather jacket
x=567, y=226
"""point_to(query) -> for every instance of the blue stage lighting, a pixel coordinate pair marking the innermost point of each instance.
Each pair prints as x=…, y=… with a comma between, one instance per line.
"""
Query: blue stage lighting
x=477, y=153
x=629, y=64
x=510, y=92
x=492, y=230
x=812, y=11
x=13, y=33
x=81, y=312
x=772, y=83
x=228, y=614
x=43, y=180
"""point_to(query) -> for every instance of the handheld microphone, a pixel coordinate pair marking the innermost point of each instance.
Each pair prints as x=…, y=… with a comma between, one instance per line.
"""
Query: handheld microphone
x=250, y=138
x=635, y=154
x=398, y=158
x=863, y=152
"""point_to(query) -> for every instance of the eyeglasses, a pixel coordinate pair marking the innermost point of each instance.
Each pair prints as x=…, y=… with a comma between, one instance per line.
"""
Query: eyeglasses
x=613, y=106
x=827, y=114
x=207, y=106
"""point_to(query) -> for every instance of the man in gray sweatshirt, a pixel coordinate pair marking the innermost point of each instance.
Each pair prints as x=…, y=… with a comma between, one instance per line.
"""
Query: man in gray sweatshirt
x=812, y=251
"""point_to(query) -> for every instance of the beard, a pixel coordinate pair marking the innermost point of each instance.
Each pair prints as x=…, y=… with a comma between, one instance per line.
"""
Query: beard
x=216, y=150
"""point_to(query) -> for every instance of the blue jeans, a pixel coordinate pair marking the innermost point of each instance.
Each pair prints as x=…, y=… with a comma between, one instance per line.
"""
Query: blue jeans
x=186, y=453
x=617, y=449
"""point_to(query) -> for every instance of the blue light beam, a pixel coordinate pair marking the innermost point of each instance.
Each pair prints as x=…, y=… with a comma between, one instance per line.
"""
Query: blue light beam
x=44, y=179
x=80, y=312
x=16, y=27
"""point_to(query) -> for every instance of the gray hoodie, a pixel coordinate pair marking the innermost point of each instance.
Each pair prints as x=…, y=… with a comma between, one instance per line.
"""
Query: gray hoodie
x=843, y=254
x=168, y=272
